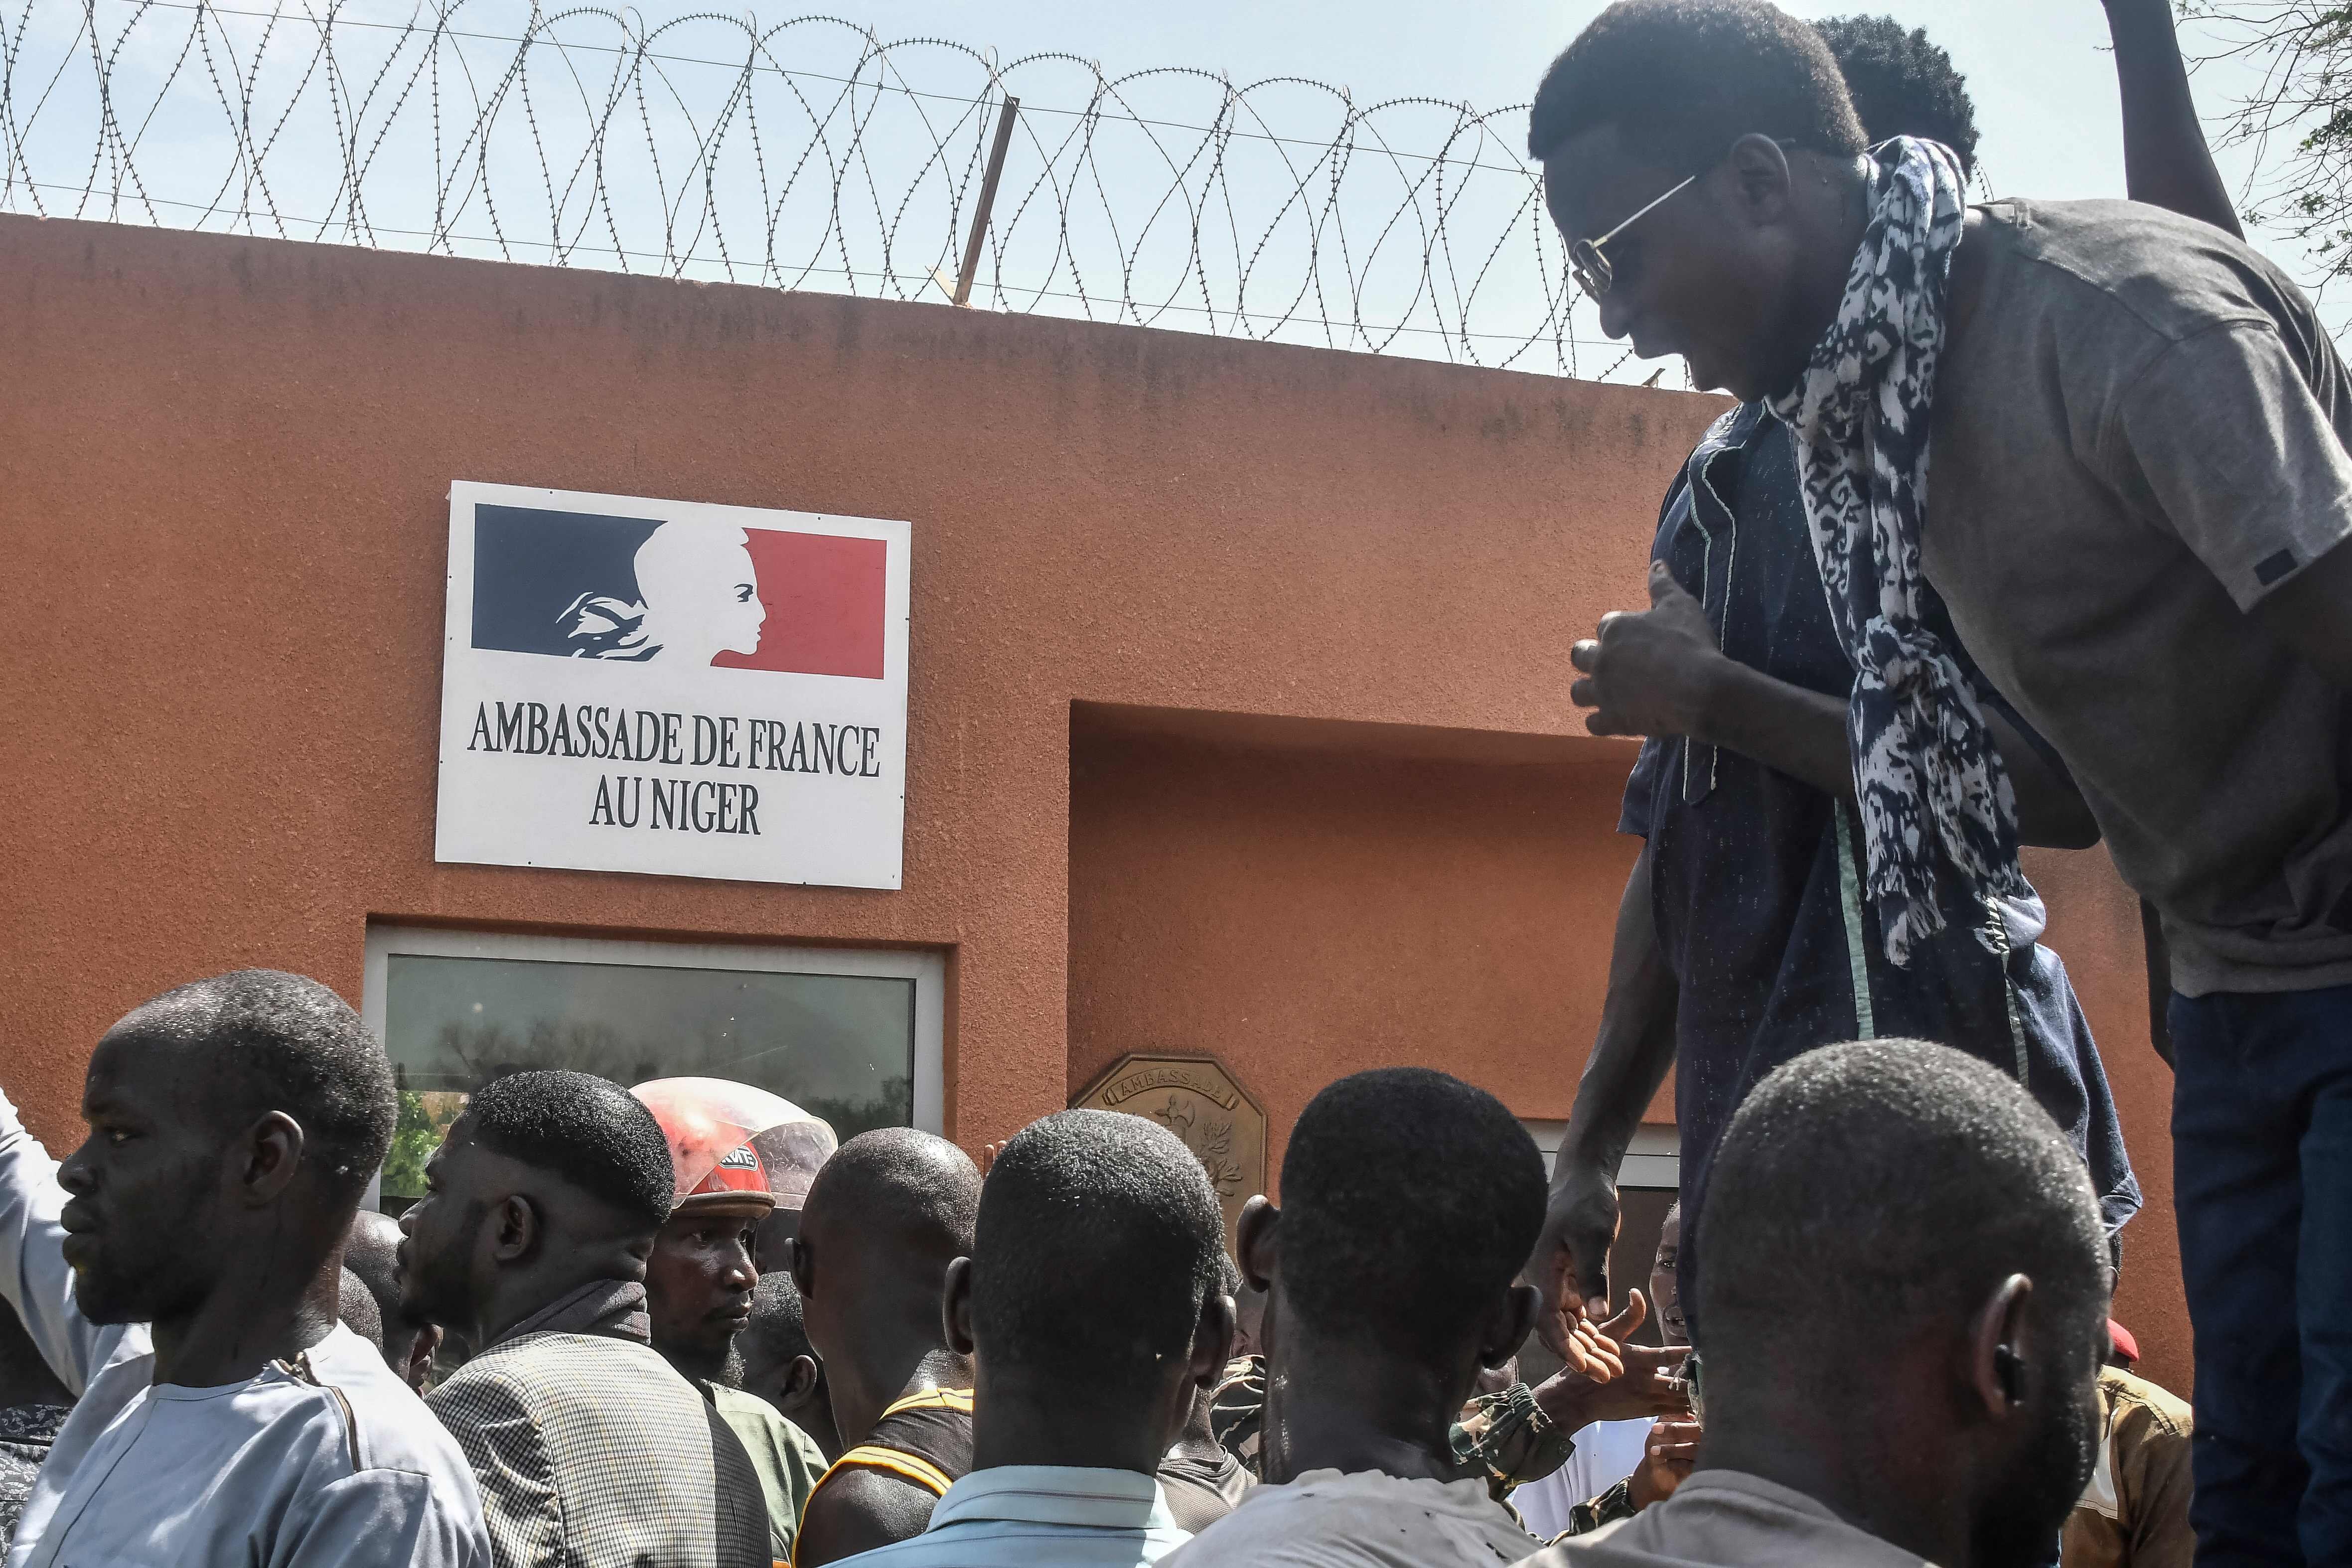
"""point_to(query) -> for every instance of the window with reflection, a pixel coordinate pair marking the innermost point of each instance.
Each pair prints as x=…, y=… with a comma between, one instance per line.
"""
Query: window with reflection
x=841, y=1046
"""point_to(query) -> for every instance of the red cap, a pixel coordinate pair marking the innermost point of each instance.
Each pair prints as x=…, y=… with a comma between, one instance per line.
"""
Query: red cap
x=2126, y=1346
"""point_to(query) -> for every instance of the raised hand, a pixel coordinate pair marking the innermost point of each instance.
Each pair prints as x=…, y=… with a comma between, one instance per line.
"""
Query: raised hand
x=1639, y=1380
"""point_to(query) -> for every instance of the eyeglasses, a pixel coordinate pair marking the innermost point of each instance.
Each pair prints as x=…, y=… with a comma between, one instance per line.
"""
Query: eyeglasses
x=1591, y=268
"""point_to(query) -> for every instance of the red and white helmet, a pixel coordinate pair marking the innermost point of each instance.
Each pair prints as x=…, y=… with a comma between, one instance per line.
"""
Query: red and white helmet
x=734, y=1148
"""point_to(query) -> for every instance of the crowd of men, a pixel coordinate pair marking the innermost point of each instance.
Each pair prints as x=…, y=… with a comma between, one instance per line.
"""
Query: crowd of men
x=1885, y=1294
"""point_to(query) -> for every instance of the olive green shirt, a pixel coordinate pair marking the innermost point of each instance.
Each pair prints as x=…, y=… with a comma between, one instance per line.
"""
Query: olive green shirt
x=787, y=1459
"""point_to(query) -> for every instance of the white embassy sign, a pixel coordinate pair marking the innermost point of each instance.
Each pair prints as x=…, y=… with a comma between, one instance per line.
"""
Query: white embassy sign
x=672, y=687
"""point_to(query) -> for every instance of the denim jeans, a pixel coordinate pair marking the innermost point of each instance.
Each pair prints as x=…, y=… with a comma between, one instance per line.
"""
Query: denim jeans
x=2262, y=1157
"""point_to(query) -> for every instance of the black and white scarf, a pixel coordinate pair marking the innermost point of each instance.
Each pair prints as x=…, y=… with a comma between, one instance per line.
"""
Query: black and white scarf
x=1925, y=772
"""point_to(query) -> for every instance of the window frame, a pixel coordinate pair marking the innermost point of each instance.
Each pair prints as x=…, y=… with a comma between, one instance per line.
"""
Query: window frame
x=926, y=968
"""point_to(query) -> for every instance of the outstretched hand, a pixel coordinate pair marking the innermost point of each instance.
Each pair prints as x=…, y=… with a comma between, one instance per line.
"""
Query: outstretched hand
x=1650, y=672
x=1621, y=1382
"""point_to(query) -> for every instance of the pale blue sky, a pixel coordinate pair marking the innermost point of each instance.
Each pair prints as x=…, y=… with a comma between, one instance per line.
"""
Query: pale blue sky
x=2039, y=71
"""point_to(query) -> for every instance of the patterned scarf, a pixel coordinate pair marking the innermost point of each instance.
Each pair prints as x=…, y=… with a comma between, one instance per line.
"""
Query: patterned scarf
x=1926, y=773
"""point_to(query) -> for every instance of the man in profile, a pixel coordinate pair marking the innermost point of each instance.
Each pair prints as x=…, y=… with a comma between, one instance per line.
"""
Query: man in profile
x=530, y=1241
x=883, y=1218
x=780, y=1365
x=699, y=1285
x=1903, y=1339
x=372, y=1252
x=1095, y=1314
x=182, y=1273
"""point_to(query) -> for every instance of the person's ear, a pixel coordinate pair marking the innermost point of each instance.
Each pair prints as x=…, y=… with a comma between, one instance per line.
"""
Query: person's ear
x=1213, y=1341
x=1255, y=1245
x=1762, y=182
x=801, y=1376
x=268, y=1156
x=1509, y=1327
x=1997, y=1360
x=955, y=1306
x=515, y=1229
x=800, y=1262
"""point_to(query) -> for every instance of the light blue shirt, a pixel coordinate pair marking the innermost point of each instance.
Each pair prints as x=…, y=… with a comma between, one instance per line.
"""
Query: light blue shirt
x=1041, y=1516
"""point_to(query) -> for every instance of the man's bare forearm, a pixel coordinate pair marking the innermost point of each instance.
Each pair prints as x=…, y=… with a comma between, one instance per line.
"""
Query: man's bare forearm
x=1803, y=734
x=2167, y=162
x=1635, y=1046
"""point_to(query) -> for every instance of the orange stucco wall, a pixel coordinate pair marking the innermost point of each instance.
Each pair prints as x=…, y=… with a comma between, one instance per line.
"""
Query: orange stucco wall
x=223, y=465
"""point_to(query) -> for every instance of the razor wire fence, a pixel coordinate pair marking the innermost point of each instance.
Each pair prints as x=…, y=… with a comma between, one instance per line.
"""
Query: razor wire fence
x=806, y=154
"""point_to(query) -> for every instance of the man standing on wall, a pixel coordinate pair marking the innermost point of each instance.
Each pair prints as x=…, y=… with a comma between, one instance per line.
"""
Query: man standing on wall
x=2138, y=520
x=1742, y=942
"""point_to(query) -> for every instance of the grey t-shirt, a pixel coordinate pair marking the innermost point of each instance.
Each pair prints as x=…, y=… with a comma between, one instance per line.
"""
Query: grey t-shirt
x=2139, y=434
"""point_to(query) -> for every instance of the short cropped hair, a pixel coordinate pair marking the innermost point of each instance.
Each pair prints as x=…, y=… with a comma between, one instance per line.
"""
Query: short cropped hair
x=1098, y=1239
x=591, y=1131
x=778, y=1330
x=1409, y=1200
x=284, y=1042
x=1684, y=79
x=1905, y=1181
x=1902, y=84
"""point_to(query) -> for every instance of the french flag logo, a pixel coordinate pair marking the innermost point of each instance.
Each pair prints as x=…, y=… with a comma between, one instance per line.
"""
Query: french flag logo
x=583, y=585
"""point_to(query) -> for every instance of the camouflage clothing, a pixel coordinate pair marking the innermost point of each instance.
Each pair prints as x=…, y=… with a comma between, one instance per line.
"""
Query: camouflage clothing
x=25, y=1433
x=1507, y=1438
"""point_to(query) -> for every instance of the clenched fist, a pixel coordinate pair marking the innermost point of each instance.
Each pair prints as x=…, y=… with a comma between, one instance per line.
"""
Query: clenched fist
x=1651, y=672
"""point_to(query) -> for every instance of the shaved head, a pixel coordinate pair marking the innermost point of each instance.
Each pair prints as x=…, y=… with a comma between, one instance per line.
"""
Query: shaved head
x=883, y=1218
x=371, y=1250
x=903, y=1190
x=356, y=1306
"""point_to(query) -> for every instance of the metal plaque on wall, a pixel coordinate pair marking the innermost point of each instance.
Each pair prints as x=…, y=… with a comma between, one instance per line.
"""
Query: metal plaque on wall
x=1196, y=1098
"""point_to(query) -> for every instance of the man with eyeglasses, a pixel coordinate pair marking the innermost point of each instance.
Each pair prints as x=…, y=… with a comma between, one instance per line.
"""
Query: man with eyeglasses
x=1743, y=940
x=2139, y=518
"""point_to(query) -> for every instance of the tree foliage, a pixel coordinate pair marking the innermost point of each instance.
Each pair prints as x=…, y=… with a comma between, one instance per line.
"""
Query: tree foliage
x=2298, y=117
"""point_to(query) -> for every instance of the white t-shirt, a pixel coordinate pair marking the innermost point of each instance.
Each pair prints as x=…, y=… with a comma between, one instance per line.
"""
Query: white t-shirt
x=1606, y=1453
x=1364, y=1520
x=333, y=1460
